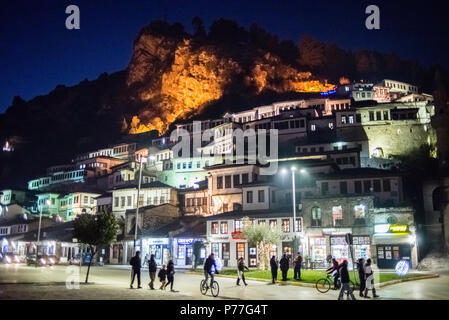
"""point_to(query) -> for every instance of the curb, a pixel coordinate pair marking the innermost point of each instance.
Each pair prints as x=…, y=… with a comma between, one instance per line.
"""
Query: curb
x=312, y=285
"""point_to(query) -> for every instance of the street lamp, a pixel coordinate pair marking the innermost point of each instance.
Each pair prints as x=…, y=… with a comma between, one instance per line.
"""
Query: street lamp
x=47, y=202
x=293, y=170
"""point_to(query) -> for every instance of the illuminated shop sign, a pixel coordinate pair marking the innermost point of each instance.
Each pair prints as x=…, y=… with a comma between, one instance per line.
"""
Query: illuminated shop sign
x=402, y=267
x=326, y=93
x=391, y=228
x=237, y=235
x=156, y=241
x=185, y=241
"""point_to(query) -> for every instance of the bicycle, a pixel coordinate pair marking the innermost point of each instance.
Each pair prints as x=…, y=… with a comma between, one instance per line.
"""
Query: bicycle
x=214, y=289
x=323, y=285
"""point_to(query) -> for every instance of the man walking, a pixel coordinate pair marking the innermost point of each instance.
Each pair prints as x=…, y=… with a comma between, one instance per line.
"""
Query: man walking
x=284, y=266
x=298, y=264
x=136, y=264
x=361, y=269
x=344, y=276
x=152, y=268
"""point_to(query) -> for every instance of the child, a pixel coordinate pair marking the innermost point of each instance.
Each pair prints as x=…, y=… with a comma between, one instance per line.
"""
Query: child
x=162, y=276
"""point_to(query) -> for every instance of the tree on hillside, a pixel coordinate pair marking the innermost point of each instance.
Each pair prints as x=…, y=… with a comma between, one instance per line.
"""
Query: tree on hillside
x=96, y=231
x=198, y=28
x=263, y=237
x=311, y=52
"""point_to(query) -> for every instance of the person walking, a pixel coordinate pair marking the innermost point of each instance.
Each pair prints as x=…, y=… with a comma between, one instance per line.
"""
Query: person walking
x=152, y=268
x=241, y=271
x=369, y=276
x=170, y=275
x=344, y=277
x=208, y=264
x=297, y=267
x=361, y=270
x=162, y=275
x=334, y=271
x=284, y=264
x=136, y=264
x=274, y=269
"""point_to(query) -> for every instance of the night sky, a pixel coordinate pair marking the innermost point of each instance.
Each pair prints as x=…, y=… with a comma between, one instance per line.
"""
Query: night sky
x=37, y=52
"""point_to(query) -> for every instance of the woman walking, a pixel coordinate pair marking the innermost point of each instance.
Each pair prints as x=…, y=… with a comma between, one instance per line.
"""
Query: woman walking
x=274, y=269
x=170, y=275
x=369, y=276
x=241, y=271
x=152, y=268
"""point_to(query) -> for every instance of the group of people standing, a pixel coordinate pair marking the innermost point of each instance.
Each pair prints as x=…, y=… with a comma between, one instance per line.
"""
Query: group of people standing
x=167, y=272
x=284, y=265
x=340, y=271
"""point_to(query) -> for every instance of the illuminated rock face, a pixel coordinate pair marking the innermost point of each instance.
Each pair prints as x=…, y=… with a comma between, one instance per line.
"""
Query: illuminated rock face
x=176, y=79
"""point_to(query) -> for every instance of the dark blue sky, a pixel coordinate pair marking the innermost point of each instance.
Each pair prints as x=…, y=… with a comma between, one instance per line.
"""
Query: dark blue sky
x=37, y=52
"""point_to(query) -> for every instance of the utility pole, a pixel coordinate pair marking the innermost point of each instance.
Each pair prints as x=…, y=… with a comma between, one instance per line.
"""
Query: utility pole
x=39, y=232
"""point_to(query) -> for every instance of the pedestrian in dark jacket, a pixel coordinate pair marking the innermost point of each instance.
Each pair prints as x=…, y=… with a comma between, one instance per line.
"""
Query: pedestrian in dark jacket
x=344, y=276
x=298, y=263
x=152, y=268
x=361, y=269
x=170, y=275
x=209, y=266
x=136, y=264
x=241, y=271
x=274, y=269
x=162, y=275
x=334, y=271
x=284, y=264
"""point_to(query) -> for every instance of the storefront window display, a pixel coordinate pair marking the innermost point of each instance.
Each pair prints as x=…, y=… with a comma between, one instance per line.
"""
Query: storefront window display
x=240, y=246
x=362, y=248
x=339, y=248
x=337, y=215
x=317, y=247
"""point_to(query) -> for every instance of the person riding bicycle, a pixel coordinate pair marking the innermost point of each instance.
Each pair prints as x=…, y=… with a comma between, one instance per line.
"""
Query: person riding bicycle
x=208, y=264
x=334, y=271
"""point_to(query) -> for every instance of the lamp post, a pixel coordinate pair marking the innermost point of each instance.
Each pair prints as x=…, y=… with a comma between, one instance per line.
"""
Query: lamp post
x=137, y=206
x=39, y=230
x=293, y=170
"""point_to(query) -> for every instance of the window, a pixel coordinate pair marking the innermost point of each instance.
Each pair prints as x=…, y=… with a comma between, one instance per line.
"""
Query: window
x=273, y=224
x=343, y=186
x=337, y=215
x=371, y=116
x=358, y=187
x=262, y=222
x=178, y=166
x=324, y=188
x=245, y=178
x=316, y=216
x=351, y=119
x=358, y=118
x=385, y=115
x=367, y=186
x=286, y=225
x=312, y=127
x=128, y=201
x=249, y=197
x=261, y=195
x=123, y=199
x=387, y=185
x=359, y=211
x=376, y=185
x=236, y=178
x=238, y=225
x=223, y=227
x=240, y=246
x=116, y=201
x=219, y=182
x=343, y=119
x=225, y=207
x=227, y=182
x=378, y=116
x=214, y=228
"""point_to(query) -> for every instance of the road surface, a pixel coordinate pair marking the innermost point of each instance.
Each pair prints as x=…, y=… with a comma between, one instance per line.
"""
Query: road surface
x=109, y=282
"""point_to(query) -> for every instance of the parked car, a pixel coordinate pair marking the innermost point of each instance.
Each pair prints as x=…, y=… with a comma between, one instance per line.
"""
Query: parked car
x=51, y=260
x=10, y=258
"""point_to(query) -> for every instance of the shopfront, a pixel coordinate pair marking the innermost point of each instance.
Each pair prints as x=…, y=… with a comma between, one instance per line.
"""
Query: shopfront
x=317, y=248
x=184, y=251
x=394, y=243
x=339, y=248
x=157, y=246
x=361, y=247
